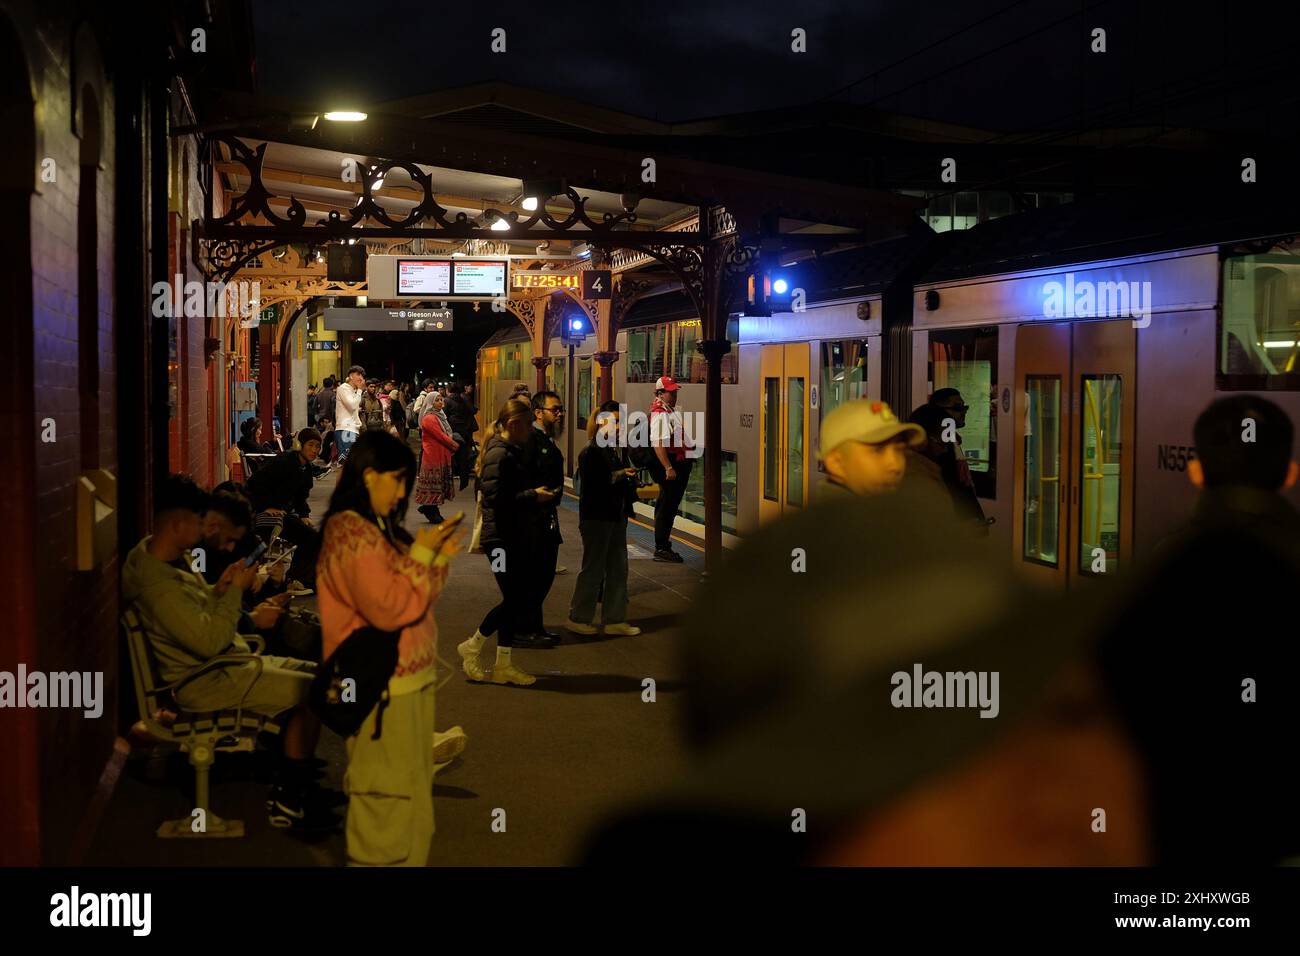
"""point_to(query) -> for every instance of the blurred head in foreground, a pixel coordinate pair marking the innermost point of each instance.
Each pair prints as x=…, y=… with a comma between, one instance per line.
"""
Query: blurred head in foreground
x=865, y=690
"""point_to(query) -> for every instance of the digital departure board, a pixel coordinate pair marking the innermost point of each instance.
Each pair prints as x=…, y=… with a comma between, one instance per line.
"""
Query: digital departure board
x=478, y=277
x=424, y=277
x=451, y=277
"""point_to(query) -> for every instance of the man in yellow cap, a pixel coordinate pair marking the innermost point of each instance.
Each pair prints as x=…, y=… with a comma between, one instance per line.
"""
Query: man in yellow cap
x=863, y=446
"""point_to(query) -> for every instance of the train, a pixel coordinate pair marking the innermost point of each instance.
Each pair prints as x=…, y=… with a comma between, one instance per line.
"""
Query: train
x=1084, y=340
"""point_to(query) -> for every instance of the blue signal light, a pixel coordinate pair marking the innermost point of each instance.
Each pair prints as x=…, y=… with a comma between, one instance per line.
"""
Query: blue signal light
x=780, y=286
x=577, y=325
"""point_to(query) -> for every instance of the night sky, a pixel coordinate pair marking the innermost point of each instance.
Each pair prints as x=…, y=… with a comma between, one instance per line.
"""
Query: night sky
x=1230, y=64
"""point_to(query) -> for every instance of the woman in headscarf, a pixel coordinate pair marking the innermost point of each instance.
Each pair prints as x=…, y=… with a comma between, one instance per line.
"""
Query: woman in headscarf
x=437, y=479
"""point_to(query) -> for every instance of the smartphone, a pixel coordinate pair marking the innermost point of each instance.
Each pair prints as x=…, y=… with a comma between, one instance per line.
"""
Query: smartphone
x=257, y=553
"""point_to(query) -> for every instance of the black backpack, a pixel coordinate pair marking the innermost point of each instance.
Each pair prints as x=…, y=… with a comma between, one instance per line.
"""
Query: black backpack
x=367, y=657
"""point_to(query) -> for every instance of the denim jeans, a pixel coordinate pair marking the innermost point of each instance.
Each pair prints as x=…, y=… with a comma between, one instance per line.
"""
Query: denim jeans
x=345, y=441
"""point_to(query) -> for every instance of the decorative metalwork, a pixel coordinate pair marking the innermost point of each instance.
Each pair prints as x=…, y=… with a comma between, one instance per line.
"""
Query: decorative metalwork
x=525, y=310
x=425, y=217
x=220, y=259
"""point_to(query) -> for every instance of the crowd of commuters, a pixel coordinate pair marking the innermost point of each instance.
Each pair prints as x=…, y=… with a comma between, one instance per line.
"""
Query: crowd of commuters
x=1095, y=709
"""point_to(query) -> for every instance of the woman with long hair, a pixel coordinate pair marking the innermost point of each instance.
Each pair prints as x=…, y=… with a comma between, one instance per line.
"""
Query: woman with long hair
x=437, y=480
x=508, y=509
x=373, y=574
x=608, y=489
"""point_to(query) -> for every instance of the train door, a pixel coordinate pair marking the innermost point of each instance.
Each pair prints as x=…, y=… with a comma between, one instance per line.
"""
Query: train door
x=783, y=429
x=1075, y=404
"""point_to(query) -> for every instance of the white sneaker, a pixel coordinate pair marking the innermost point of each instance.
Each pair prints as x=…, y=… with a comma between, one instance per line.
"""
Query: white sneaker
x=469, y=660
x=448, y=744
x=509, y=674
x=622, y=629
x=578, y=628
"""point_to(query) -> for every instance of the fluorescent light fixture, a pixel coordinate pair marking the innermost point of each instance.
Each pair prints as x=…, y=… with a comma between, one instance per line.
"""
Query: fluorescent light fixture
x=1279, y=345
x=345, y=116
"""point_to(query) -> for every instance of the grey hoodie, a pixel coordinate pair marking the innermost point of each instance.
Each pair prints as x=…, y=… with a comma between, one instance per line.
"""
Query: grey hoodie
x=186, y=622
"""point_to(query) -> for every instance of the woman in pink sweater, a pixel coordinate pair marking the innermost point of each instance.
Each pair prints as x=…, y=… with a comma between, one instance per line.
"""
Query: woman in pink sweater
x=372, y=573
x=437, y=479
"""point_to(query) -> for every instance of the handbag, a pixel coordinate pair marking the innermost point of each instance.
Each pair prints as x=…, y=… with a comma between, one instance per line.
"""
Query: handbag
x=475, y=545
x=301, y=631
x=354, y=681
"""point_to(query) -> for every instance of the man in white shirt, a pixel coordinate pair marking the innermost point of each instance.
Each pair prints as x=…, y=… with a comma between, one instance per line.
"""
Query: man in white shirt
x=346, y=403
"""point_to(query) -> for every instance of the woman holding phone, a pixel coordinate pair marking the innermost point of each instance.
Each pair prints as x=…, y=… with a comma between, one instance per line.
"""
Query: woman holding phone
x=373, y=573
x=508, y=507
x=604, y=505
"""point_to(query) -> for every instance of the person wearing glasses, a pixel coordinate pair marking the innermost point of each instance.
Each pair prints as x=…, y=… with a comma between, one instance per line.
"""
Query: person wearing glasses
x=956, y=472
x=545, y=465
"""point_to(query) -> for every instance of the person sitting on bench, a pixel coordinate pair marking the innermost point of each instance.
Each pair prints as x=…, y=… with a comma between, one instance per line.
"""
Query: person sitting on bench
x=188, y=622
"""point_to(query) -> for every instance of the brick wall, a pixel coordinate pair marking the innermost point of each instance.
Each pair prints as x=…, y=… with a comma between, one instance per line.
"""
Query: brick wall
x=76, y=610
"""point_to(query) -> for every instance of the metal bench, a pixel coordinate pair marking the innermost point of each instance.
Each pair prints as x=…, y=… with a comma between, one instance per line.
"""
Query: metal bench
x=200, y=734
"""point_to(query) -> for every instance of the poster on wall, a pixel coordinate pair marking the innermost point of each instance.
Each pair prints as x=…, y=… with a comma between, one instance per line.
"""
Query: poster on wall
x=975, y=382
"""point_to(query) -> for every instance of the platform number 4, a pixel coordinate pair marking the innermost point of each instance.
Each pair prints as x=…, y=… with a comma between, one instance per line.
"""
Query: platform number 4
x=596, y=284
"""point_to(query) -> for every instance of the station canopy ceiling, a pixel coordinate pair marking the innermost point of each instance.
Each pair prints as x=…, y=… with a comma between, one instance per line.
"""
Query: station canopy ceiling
x=481, y=143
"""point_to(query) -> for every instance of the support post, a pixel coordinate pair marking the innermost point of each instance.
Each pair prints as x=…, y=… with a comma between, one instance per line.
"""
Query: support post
x=540, y=362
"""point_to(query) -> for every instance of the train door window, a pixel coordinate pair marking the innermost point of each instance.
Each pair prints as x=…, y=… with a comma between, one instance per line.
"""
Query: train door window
x=692, y=506
x=1042, y=498
x=1259, y=327
x=843, y=373
x=1101, y=407
x=772, y=438
x=585, y=390
x=638, y=356
x=794, y=464
x=967, y=360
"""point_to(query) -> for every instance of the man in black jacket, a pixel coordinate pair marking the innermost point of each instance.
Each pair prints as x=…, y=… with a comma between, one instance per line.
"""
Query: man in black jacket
x=460, y=415
x=1203, y=658
x=545, y=465
x=280, y=490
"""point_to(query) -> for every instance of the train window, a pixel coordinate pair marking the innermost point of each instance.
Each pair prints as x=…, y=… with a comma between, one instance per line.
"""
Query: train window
x=1099, y=473
x=843, y=373
x=794, y=439
x=1042, y=499
x=1259, y=327
x=771, y=439
x=967, y=360
x=586, y=391
x=669, y=349
x=692, y=506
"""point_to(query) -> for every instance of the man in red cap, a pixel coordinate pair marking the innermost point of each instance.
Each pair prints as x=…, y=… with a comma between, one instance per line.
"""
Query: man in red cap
x=671, y=446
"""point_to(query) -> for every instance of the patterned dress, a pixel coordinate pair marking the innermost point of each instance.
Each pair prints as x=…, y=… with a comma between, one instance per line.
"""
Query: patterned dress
x=436, y=482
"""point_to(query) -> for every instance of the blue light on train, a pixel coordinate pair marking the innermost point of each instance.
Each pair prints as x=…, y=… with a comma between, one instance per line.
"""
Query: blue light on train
x=780, y=286
x=576, y=325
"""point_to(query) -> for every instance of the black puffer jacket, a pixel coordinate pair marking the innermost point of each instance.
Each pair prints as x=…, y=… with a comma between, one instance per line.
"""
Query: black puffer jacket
x=511, y=512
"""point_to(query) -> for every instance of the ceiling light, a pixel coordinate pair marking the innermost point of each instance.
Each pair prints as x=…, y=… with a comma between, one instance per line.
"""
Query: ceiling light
x=345, y=116
x=500, y=224
x=530, y=203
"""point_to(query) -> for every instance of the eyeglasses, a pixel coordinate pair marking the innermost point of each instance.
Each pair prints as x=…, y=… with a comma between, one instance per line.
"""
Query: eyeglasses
x=558, y=409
